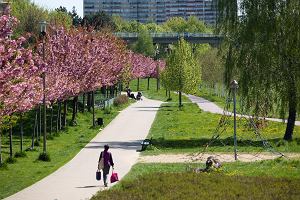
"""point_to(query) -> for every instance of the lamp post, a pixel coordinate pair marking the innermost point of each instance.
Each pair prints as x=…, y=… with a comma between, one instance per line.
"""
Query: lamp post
x=43, y=29
x=157, y=67
x=234, y=86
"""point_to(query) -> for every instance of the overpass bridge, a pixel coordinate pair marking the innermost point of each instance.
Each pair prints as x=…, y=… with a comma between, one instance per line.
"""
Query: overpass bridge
x=170, y=37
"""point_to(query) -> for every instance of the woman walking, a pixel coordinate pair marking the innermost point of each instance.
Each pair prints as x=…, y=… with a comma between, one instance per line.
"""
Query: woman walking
x=106, y=163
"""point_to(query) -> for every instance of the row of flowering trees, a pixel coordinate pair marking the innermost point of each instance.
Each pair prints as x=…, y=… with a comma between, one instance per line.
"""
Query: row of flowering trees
x=74, y=61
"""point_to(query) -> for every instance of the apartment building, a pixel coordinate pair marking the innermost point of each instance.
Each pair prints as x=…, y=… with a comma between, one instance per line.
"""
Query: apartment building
x=157, y=11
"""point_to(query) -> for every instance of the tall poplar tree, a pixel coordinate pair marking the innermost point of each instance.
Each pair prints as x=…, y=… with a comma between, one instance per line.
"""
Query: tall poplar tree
x=182, y=72
x=262, y=42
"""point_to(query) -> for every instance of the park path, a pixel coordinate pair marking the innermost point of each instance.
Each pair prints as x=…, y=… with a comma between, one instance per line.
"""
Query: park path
x=208, y=106
x=76, y=180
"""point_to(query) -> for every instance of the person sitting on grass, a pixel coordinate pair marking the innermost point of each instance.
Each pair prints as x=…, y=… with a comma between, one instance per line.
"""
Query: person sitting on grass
x=211, y=164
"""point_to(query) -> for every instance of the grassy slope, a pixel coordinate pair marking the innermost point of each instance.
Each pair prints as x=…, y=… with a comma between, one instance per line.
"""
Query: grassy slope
x=189, y=129
x=171, y=181
x=221, y=101
x=29, y=170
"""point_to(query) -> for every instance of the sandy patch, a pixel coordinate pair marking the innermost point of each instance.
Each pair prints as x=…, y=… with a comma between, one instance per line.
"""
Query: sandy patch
x=223, y=157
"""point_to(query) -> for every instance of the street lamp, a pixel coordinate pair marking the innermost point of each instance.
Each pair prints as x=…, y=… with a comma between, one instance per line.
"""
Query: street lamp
x=157, y=67
x=43, y=28
x=234, y=86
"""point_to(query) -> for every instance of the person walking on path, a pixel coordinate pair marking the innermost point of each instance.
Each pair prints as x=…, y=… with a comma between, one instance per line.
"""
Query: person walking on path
x=107, y=163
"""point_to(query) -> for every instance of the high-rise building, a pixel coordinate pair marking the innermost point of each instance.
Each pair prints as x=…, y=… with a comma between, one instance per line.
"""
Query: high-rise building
x=154, y=10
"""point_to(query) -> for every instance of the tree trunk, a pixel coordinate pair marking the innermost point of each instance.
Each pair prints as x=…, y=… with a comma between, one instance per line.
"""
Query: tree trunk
x=169, y=94
x=21, y=133
x=166, y=92
x=83, y=102
x=59, y=116
x=148, y=84
x=107, y=92
x=40, y=122
x=34, y=130
x=10, y=143
x=57, y=121
x=1, y=161
x=292, y=115
x=73, y=121
x=138, y=84
x=93, y=106
x=65, y=113
x=89, y=101
x=51, y=120
x=180, y=99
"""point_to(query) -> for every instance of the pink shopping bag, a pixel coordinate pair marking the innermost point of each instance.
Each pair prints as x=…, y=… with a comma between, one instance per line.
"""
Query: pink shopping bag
x=114, y=177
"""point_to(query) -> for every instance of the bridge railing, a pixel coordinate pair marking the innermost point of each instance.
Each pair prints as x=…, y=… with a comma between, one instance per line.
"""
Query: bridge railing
x=166, y=35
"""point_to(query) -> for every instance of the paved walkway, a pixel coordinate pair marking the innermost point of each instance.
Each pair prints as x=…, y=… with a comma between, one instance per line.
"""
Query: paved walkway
x=208, y=106
x=76, y=180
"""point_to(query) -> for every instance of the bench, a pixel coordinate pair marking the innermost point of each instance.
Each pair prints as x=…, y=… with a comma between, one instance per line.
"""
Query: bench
x=145, y=143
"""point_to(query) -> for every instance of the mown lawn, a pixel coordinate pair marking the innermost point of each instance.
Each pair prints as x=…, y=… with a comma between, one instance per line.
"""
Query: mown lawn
x=210, y=95
x=235, y=181
x=153, y=93
x=28, y=170
x=189, y=129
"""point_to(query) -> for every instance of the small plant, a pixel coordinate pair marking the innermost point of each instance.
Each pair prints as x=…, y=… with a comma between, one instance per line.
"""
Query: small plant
x=107, y=110
x=122, y=99
x=50, y=137
x=11, y=160
x=44, y=157
x=3, y=166
x=20, y=154
x=36, y=143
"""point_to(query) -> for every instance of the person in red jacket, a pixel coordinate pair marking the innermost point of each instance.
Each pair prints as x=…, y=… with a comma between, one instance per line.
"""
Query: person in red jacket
x=107, y=163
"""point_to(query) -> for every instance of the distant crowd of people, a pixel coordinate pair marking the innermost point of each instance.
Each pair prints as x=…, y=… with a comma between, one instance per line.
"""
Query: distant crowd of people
x=131, y=95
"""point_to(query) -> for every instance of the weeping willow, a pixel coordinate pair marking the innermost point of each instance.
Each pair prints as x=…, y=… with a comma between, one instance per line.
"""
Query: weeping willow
x=262, y=44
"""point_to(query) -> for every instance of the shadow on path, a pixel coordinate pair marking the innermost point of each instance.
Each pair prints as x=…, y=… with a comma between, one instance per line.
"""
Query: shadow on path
x=130, y=145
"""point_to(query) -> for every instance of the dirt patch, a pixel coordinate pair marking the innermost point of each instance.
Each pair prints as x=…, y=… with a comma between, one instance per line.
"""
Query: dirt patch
x=223, y=157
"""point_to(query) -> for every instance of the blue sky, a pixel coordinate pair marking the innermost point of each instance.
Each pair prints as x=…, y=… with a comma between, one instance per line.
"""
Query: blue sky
x=52, y=4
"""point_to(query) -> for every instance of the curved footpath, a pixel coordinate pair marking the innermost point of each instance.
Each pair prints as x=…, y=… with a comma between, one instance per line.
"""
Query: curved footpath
x=208, y=106
x=76, y=180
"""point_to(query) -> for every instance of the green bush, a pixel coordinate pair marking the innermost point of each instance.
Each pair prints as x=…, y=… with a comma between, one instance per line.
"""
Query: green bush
x=11, y=160
x=21, y=154
x=122, y=99
x=44, y=157
x=107, y=110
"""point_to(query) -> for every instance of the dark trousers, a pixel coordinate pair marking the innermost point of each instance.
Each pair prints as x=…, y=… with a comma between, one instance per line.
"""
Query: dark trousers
x=105, y=173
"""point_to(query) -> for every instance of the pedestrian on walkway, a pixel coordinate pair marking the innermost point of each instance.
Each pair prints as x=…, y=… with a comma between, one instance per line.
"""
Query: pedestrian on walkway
x=107, y=163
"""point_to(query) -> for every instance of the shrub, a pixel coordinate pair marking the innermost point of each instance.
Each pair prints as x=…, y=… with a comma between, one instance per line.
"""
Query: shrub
x=11, y=160
x=36, y=143
x=3, y=166
x=21, y=154
x=107, y=110
x=44, y=157
x=122, y=99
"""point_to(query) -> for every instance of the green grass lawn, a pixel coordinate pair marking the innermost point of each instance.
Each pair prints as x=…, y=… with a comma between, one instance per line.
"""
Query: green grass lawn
x=189, y=129
x=209, y=94
x=277, y=179
x=63, y=148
